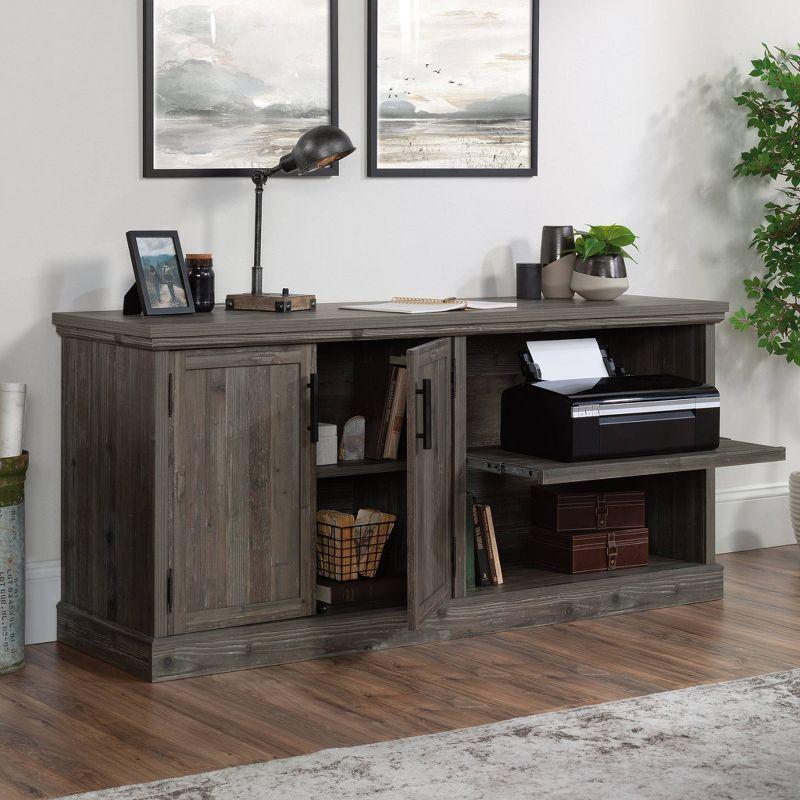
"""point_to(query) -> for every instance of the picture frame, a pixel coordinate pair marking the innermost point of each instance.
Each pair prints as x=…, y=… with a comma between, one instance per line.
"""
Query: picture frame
x=152, y=163
x=162, y=280
x=485, y=153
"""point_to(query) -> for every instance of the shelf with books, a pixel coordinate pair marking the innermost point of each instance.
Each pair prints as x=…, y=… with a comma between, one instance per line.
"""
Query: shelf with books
x=356, y=468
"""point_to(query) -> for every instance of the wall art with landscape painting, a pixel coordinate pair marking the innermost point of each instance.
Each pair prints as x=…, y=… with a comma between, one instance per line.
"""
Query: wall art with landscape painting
x=230, y=85
x=453, y=87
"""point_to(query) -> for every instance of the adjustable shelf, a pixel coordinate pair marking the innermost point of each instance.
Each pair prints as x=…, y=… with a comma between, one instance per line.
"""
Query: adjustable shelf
x=543, y=471
x=519, y=578
x=345, y=470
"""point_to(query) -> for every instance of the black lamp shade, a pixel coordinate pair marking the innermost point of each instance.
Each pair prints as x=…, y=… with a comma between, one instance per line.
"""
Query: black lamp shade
x=317, y=148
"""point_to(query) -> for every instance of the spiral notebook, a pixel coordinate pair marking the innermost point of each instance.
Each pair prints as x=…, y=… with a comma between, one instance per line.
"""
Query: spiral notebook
x=428, y=305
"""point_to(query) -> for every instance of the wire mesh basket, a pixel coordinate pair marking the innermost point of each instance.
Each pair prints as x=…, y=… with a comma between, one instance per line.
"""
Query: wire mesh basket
x=348, y=550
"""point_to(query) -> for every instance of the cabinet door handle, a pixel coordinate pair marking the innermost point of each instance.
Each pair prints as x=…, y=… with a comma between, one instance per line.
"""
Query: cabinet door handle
x=314, y=427
x=427, y=415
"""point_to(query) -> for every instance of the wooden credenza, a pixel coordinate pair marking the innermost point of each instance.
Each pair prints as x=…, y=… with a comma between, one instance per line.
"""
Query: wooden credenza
x=189, y=485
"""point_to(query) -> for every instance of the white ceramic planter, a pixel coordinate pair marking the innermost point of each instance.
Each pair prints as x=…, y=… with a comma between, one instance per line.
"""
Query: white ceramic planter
x=794, y=503
x=600, y=277
x=592, y=287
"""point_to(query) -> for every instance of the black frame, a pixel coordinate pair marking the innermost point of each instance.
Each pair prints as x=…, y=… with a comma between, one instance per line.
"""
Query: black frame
x=138, y=271
x=149, y=119
x=372, y=134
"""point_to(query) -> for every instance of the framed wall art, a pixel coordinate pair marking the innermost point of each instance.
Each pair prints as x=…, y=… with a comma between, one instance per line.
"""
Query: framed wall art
x=453, y=88
x=230, y=85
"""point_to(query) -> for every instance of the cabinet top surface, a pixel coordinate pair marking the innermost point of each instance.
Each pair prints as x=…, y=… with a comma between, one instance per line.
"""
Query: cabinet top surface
x=329, y=322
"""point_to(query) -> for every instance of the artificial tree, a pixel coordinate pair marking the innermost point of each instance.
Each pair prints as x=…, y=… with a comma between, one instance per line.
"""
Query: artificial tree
x=774, y=112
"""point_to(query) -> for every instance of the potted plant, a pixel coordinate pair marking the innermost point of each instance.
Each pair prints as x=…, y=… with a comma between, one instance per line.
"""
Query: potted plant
x=774, y=114
x=600, y=272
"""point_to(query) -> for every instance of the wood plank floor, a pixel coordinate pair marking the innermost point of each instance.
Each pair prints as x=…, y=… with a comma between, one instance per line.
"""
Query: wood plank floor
x=69, y=723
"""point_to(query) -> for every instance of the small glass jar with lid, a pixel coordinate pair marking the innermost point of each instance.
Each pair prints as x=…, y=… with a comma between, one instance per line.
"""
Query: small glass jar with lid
x=201, y=280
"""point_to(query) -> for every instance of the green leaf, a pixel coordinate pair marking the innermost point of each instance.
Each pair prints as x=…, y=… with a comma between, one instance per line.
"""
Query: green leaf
x=594, y=247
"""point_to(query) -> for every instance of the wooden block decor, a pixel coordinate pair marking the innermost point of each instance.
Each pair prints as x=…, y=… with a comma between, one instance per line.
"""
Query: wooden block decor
x=348, y=546
x=337, y=550
x=280, y=303
x=374, y=528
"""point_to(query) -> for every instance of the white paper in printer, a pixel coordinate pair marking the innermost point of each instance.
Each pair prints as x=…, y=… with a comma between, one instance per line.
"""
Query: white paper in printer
x=568, y=359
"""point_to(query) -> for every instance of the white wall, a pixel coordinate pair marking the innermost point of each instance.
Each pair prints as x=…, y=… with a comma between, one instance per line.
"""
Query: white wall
x=636, y=127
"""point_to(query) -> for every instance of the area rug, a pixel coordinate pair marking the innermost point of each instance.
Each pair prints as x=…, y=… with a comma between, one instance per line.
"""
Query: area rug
x=731, y=741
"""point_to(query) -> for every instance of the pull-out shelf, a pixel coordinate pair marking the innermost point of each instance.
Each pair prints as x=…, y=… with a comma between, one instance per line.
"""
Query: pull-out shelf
x=543, y=471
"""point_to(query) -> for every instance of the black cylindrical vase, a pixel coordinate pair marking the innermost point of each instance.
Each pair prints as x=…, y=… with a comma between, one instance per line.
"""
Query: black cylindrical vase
x=529, y=281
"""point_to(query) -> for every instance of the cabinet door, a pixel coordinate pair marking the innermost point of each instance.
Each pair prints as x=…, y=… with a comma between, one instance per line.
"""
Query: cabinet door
x=244, y=525
x=429, y=479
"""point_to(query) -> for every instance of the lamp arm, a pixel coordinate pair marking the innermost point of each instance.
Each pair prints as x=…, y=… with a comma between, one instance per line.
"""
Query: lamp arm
x=260, y=178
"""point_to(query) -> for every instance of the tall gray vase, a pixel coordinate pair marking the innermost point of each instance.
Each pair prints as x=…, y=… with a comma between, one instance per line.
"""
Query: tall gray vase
x=557, y=262
x=12, y=562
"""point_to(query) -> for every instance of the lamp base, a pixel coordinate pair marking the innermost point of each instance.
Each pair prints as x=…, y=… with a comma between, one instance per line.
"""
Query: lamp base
x=281, y=303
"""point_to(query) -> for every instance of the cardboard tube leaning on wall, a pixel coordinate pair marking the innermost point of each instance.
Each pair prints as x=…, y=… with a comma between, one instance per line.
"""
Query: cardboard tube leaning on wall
x=12, y=418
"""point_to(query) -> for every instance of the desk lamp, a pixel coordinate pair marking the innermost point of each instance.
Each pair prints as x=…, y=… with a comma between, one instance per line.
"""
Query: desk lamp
x=318, y=148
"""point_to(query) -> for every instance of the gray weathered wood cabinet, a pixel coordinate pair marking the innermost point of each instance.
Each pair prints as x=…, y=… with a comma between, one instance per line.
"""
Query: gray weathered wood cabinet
x=189, y=485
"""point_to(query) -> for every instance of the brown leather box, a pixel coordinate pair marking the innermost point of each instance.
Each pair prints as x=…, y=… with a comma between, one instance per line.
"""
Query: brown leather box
x=586, y=509
x=589, y=552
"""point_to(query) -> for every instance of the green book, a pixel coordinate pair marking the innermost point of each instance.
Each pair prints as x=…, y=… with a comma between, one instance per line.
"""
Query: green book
x=470, y=545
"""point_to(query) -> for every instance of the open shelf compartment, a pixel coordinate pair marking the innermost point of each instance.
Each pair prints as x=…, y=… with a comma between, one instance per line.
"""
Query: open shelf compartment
x=520, y=578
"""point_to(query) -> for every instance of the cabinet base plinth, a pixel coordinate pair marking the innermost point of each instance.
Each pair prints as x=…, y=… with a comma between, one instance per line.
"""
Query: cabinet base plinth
x=249, y=646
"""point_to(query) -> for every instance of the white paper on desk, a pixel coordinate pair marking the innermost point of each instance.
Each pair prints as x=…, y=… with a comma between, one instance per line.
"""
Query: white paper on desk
x=568, y=359
x=406, y=308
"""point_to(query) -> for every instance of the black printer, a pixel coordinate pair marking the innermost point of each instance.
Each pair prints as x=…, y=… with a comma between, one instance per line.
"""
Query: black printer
x=619, y=415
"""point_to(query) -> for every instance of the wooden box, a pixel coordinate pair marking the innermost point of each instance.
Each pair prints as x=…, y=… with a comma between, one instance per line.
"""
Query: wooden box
x=568, y=511
x=597, y=551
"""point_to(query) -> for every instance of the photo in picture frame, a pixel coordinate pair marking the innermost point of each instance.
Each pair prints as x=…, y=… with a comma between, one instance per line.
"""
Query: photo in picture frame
x=162, y=281
x=230, y=85
x=453, y=88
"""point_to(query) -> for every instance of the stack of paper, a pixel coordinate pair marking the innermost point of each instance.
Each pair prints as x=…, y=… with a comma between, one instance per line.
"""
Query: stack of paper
x=568, y=359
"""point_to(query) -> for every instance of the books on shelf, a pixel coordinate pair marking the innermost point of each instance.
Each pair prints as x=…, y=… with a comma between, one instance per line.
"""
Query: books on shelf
x=469, y=529
x=380, y=395
x=488, y=570
x=495, y=570
x=482, y=575
x=397, y=414
x=383, y=589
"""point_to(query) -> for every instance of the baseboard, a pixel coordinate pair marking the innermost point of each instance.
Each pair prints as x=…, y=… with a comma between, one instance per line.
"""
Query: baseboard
x=748, y=518
x=42, y=593
x=753, y=517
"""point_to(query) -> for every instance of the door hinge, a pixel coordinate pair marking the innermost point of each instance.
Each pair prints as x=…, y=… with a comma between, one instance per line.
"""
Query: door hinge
x=171, y=394
x=170, y=590
x=453, y=379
